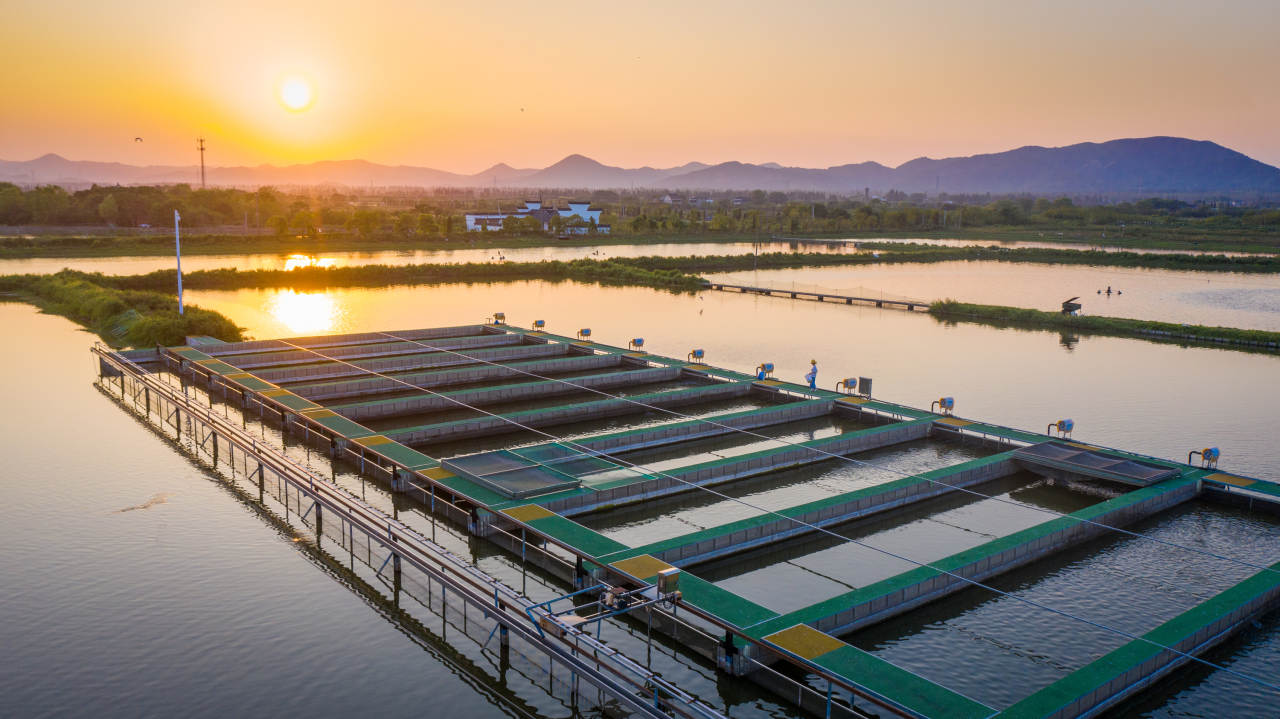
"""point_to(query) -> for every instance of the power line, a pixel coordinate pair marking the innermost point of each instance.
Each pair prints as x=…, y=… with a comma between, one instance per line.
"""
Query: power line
x=200, y=147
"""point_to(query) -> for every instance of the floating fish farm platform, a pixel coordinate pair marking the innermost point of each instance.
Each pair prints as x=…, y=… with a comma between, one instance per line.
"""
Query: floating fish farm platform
x=614, y=466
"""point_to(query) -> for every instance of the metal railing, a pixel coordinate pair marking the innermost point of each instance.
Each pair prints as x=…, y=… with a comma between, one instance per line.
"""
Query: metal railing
x=632, y=684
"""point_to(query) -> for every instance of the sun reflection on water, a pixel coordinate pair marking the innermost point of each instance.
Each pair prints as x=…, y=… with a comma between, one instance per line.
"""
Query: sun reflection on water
x=305, y=312
x=293, y=262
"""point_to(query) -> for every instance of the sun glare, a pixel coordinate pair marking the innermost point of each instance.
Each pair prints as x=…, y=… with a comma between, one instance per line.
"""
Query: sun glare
x=295, y=94
x=304, y=312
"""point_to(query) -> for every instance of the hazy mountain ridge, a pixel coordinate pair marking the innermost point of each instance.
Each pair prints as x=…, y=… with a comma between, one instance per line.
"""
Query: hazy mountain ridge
x=1141, y=165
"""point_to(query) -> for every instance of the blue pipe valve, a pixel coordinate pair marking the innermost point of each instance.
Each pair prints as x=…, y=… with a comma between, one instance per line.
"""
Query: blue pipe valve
x=1208, y=456
x=946, y=404
x=850, y=384
x=764, y=370
x=636, y=343
x=584, y=333
x=539, y=324
x=697, y=355
x=1063, y=426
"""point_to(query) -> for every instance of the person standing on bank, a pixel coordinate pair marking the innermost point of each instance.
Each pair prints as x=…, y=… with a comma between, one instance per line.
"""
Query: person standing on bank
x=812, y=376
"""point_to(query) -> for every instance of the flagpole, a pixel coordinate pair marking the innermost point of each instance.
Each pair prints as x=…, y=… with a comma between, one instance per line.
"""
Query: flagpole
x=177, y=246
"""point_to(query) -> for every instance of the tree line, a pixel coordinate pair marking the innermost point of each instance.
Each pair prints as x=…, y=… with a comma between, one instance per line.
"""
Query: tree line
x=315, y=211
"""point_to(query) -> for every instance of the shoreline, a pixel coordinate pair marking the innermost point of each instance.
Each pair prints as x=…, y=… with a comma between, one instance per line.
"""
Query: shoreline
x=1124, y=327
x=196, y=243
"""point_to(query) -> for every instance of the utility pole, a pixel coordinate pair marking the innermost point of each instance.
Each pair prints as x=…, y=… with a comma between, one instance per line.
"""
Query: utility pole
x=200, y=147
x=177, y=246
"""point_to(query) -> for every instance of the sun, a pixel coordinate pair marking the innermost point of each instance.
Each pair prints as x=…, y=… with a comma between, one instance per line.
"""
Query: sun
x=295, y=94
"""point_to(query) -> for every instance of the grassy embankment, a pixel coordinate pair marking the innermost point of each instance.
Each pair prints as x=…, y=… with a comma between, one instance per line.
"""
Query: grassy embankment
x=140, y=310
x=120, y=243
x=951, y=310
x=122, y=317
x=604, y=272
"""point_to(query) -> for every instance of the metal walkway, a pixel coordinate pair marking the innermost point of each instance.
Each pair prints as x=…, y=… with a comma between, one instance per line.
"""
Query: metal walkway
x=528, y=498
x=633, y=685
x=813, y=295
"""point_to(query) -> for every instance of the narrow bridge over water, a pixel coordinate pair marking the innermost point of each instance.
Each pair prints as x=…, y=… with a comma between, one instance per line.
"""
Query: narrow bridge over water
x=820, y=296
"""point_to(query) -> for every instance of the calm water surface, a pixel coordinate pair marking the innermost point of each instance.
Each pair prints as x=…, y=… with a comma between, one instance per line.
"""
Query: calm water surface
x=135, y=585
x=107, y=606
x=135, y=265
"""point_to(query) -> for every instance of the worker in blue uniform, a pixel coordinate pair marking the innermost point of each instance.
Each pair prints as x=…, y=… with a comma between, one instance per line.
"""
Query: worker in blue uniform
x=812, y=376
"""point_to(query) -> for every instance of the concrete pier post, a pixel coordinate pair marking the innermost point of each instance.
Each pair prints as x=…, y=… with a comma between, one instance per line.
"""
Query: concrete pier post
x=729, y=656
x=504, y=651
x=399, y=479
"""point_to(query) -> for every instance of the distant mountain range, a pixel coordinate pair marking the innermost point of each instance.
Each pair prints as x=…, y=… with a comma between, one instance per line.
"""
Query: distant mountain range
x=1152, y=165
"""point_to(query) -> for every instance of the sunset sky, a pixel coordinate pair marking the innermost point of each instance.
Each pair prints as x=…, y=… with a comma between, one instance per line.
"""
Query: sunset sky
x=463, y=86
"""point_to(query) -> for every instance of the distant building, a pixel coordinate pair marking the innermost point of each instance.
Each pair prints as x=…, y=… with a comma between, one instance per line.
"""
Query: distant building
x=580, y=218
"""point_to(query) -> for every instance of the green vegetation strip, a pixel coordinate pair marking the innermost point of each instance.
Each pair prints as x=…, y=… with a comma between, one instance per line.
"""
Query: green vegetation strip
x=1182, y=628
x=952, y=310
x=605, y=272
x=121, y=316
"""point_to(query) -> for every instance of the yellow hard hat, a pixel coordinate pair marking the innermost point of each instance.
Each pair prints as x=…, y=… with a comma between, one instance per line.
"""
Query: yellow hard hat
x=813, y=361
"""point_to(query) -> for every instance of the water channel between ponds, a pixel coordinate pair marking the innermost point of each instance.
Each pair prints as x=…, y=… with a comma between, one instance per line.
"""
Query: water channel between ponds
x=998, y=649
x=655, y=521
x=391, y=424
x=792, y=575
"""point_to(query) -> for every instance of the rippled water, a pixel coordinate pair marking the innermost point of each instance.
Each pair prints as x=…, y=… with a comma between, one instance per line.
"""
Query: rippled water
x=107, y=606
x=1126, y=583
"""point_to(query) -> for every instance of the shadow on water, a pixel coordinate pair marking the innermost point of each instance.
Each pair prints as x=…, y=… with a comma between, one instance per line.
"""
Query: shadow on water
x=494, y=689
